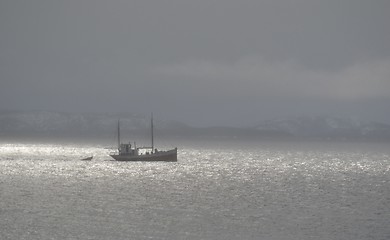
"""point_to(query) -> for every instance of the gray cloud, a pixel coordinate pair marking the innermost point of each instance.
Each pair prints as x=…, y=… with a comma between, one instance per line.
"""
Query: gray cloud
x=203, y=61
x=255, y=76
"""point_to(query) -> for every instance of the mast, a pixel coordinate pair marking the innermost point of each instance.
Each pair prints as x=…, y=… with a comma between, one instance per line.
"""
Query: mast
x=119, y=136
x=151, y=128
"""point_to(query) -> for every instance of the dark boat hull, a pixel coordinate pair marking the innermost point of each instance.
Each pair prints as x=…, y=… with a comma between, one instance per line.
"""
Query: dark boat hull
x=166, y=156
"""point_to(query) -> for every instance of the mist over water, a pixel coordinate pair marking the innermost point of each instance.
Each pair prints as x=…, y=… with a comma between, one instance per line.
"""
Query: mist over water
x=216, y=190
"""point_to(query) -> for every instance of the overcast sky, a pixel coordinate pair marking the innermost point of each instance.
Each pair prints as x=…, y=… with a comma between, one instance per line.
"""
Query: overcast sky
x=205, y=62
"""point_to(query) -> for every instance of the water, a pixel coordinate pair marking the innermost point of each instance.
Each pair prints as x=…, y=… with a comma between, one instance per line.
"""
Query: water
x=219, y=190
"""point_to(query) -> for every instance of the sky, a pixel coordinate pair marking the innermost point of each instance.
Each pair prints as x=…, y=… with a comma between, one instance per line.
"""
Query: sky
x=204, y=62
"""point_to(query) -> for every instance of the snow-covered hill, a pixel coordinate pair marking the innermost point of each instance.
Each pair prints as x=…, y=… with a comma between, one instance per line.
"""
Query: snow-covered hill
x=56, y=123
x=328, y=127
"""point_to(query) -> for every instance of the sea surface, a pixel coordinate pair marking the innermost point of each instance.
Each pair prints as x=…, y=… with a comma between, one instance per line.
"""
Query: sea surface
x=217, y=190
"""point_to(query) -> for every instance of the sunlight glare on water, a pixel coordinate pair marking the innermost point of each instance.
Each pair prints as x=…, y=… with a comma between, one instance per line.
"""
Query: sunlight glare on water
x=220, y=191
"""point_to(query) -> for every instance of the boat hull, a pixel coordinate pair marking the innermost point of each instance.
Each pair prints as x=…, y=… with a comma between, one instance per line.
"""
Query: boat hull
x=166, y=156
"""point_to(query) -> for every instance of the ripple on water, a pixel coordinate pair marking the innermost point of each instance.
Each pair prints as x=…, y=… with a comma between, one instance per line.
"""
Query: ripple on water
x=226, y=192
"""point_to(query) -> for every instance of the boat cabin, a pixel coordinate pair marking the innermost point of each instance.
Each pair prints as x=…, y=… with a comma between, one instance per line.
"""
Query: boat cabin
x=125, y=149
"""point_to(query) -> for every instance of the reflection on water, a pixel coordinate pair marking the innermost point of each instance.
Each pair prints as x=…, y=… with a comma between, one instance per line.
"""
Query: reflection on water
x=218, y=191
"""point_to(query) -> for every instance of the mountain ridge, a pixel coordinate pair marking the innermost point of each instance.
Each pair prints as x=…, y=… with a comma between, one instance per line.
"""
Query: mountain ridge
x=50, y=123
x=327, y=127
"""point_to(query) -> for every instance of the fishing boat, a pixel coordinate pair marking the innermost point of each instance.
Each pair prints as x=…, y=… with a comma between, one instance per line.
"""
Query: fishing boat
x=127, y=152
